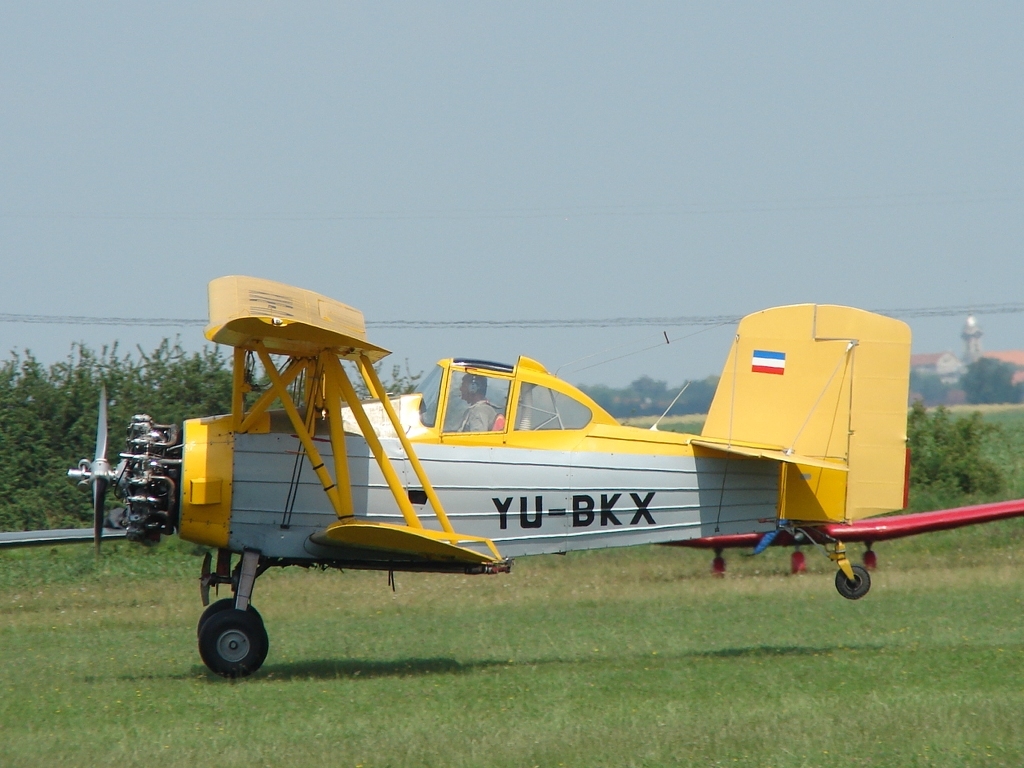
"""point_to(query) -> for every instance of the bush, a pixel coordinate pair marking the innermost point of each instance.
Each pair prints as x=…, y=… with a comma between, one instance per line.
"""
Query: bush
x=947, y=461
x=48, y=419
x=990, y=381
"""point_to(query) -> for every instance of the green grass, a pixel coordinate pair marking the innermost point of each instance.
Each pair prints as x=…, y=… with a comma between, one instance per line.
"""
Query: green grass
x=1002, y=413
x=690, y=424
x=617, y=658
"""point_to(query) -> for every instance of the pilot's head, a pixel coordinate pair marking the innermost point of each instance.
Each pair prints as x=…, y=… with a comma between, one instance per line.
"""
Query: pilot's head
x=473, y=387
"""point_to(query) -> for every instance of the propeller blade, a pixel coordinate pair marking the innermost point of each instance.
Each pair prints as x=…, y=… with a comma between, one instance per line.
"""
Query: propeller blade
x=101, y=426
x=99, y=471
x=99, y=490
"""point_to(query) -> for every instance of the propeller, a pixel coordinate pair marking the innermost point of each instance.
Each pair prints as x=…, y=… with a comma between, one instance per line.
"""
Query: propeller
x=97, y=472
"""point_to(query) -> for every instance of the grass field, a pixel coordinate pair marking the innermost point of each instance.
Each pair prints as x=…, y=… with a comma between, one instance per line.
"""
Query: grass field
x=619, y=658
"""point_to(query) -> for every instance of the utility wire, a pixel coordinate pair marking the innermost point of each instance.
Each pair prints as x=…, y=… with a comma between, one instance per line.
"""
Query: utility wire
x=899, y=200
x=174, y=322
x=608, y=322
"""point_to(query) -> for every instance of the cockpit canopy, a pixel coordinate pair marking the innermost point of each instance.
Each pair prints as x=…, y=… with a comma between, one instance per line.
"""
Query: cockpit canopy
x=473, y=396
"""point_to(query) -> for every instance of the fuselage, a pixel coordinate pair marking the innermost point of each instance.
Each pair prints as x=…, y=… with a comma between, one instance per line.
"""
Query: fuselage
x=552, y=473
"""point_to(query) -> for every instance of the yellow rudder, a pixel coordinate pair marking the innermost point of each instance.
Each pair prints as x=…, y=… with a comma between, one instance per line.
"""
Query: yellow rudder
x=826, y=384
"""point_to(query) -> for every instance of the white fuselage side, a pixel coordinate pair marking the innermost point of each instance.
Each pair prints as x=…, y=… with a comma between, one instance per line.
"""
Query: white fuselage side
x=526, y=501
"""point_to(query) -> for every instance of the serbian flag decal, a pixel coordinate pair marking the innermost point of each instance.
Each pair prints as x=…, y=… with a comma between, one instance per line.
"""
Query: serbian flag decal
x=768, y=362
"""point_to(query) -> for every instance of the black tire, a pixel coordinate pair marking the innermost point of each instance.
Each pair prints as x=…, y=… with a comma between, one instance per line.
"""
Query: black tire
x=221, y=605
x=856, y=589
x=233, y=643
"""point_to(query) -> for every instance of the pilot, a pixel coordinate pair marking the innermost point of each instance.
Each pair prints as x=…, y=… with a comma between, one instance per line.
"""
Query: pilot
x=480, y=415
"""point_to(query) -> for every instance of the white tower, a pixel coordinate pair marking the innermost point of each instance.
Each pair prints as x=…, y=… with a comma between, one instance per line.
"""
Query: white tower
x=972, y=340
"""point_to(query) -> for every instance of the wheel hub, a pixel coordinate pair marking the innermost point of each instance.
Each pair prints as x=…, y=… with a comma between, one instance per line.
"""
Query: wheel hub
x=233, y=646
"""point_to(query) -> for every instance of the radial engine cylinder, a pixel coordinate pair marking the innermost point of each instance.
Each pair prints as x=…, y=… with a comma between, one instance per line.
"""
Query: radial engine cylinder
x=149, y=481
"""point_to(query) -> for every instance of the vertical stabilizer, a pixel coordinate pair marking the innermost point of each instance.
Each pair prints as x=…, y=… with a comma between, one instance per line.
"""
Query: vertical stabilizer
x=828, y=383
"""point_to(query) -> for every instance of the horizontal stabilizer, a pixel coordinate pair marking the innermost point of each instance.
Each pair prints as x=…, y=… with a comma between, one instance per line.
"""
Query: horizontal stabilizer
x=789, y=457
x=436, y=546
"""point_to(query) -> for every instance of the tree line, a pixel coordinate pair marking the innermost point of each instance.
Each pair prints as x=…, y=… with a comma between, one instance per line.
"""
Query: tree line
x=649, y=397
x=986, y=380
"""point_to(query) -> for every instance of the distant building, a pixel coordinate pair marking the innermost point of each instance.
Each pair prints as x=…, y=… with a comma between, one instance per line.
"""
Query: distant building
x=945, y=365
x=949, y=368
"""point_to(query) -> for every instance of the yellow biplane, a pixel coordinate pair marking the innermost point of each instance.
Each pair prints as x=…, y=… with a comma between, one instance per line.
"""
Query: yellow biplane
x=487, y=461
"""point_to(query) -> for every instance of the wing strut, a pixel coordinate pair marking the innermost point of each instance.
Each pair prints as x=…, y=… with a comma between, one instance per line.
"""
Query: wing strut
x=373, y=381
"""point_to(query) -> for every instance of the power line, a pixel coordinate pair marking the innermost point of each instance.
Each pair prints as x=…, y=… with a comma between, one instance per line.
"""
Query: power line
x=608, y=322
x=165, y=322
x=897, y=200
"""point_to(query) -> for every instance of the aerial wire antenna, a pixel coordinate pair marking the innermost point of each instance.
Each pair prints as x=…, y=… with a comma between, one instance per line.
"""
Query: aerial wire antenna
x=730, y=321
x=603, y=351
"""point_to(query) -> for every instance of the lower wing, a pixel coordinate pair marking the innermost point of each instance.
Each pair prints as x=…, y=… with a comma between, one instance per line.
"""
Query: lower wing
x=56, y=536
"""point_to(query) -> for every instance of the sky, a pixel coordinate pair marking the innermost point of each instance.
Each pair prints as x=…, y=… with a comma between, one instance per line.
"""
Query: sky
x=512, y=161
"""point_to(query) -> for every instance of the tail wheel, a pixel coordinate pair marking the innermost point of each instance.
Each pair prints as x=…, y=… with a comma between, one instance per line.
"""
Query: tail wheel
x=856, y=588
x=233, y=643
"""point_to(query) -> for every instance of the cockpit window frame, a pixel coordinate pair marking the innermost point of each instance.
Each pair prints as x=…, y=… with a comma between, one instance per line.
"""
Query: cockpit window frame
x=457, y=366
x=442, y=378
x=547, y=383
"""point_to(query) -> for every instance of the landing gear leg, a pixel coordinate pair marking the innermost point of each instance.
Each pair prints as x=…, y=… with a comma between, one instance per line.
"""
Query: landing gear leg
x=852, y=581
x=232, y=639
x=246, y=579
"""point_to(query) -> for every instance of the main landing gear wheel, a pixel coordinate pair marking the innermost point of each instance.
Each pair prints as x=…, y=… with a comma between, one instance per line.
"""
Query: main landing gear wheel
x=858, y=587
x=221, y=605
x=233, y=643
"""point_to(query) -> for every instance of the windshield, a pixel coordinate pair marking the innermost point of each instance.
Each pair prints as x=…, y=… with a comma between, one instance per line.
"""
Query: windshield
x=430, y=388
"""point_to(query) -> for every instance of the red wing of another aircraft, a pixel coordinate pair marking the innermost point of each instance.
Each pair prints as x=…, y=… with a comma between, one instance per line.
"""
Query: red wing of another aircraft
x=867, y=531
